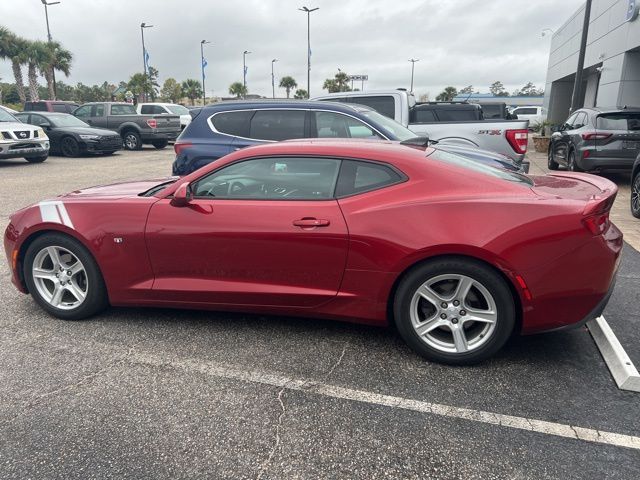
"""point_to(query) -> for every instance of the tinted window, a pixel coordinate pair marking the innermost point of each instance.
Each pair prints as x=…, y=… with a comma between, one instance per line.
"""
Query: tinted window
x=233, y=123
x=284, y=178
x=277, y=125
x=423, y=116
x=357, y=177
x=492, y=111
x=123, y=110
x=38, y=120
x=457, y=115
x=526, y=111
x=98, y=110
x=580, y=121
x=36, y=106
x=60, y=107
x=619, y=121
x=571, y=120
x=336, y=125
x=383, y=104
x=83, y=112
x=146, y=109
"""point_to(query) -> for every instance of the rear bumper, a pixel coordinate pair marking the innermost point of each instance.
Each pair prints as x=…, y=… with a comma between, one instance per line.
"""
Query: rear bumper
x=595, y=162
x=154, y=136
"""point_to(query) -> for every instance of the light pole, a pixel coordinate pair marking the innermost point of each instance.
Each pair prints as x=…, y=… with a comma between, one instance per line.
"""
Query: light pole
x=53, y=70
x=308, y=11
x=202, y=65
x=413, y=64
x=273, y=79
x=144, y=57
x=244, y=69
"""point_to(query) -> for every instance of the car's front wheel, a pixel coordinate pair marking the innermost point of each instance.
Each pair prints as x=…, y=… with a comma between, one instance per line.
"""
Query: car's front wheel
x=455, y=311
x=63, y=277
x=635, y=195
x=70, y=147
x=132, y=140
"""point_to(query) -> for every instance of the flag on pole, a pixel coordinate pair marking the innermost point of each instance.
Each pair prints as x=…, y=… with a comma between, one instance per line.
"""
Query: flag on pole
x=146, y=60
x=204, y=64
x=246, y=69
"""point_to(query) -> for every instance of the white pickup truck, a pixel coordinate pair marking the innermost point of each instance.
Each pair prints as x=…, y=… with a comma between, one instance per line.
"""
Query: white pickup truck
x=19, y=140
x=452, y=123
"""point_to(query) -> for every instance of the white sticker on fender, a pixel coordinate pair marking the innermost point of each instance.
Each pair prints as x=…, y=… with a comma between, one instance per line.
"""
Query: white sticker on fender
x=55, y=212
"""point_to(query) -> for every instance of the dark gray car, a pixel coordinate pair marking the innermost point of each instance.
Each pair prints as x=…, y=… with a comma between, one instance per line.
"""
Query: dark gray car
x=597, y=139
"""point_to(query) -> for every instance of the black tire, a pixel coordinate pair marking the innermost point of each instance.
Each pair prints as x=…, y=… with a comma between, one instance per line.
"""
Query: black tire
x=69, y=147
x=131, y=140
x=96, y=298
x=551, y=163
x=478, y=272
x=160, y=144
x=39, y=159
x=635, y=195
x=572, y=166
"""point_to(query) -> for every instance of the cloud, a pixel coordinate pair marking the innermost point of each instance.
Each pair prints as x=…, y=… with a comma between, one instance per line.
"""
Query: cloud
x=458, y=42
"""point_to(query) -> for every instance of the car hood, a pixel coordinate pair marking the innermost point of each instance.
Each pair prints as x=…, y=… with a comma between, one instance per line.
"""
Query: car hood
x=16, y=126
x=89, y=131
x=117, y=190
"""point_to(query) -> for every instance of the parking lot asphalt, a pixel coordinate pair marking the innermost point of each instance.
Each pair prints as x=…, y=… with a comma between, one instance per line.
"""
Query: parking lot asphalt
x=155, y=393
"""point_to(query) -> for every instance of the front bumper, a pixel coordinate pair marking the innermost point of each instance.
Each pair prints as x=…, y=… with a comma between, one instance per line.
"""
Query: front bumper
x=105, y=144
x=29, y=148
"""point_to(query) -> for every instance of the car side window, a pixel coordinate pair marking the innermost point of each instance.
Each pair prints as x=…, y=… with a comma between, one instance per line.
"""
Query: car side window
x=272, y=178
x=123, y=110
x=146, y=109
x=277, y=125
x=38, y=120
x=358, y=177
x=234, y=123
x=571, y=121
x=580, y=121
x=423, y=116
x=337, y=125
x=59, y=107
x=383, y=104
x=98, y=111
x=83, y=112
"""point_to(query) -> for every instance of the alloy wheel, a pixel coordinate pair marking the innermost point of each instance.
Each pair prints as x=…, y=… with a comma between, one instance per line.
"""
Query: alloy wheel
x=453, y=313
x=635, y=196
x=60, y=277
x=131, y=141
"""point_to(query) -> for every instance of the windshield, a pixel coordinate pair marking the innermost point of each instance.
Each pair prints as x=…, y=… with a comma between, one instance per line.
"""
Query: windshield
x=66, y=121
x=178, y=109
x=389, y=126
x=7, y=117
x=476, y=166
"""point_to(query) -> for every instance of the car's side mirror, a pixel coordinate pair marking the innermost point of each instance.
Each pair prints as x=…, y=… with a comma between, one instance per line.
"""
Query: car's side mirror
x=182, y=196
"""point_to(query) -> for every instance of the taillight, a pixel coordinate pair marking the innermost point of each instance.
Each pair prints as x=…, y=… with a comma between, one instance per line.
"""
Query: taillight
x=518, y=139
x=152, y=123
x=178, y=147
x=597, y=224
x=596, y=136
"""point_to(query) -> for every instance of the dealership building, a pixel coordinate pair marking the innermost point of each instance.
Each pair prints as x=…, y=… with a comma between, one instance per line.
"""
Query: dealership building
x=611, y=74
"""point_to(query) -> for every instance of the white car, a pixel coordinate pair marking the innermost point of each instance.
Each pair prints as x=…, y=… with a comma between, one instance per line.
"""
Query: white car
x=19, y=140
x=533, y=114
x=166, y=109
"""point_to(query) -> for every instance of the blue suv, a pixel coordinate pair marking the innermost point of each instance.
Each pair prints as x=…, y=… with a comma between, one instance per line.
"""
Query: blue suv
x=219, y=129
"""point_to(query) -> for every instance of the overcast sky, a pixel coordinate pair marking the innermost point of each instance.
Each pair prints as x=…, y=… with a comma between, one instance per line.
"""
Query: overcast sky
x=458, y=42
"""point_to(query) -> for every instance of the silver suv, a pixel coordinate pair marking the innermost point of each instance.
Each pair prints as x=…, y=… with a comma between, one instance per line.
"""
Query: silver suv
x=19, y=140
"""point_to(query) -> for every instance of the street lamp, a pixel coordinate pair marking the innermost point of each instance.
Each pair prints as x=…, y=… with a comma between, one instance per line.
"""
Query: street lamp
x=144, y=56
x=308, y=12
x=413, y=64
x=53, y=70
x=202, y=65
x=244, y=68
x=273, y=79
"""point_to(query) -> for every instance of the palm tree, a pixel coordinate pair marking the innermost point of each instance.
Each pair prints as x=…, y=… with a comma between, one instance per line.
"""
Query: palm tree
x=192, y=89
x=37, y=55
x=13, y=47
x=238, y=89
x=58, y=59
x=301, y=94
x=139, y=84
x=288, y=83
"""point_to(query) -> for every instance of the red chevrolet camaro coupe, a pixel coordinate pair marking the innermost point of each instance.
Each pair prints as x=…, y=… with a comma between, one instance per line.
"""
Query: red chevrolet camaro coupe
x=456, y=254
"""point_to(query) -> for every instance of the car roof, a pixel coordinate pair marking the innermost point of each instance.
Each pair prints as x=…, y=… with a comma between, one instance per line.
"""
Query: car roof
x=286, y=104
x=48, y=114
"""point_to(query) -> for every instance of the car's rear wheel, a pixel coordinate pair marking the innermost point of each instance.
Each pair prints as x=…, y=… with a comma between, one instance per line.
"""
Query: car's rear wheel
x=160, y=144
x=572, y=166
x=38, y=159
x=69, y=147
x=63, y=277
x=551, y=162
x=635, y=195
x=132, y=140
x=455, y=311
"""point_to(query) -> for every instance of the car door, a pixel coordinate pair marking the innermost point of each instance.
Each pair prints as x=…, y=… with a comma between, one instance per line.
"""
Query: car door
x=265, y=231
x=618, y=136
x=562, y=139
x=52, y=132
x=273, y=125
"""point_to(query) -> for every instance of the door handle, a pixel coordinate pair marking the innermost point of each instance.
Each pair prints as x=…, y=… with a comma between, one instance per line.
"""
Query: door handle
x=311, y=223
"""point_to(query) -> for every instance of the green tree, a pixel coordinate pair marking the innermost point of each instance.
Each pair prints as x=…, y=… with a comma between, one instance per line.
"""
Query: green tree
x=171, y=91
x=153, y=83
x=447, y=94
x=468, y=90
x=529, y=90
x=497, y=89
x=340, y=83
x=192, y=89
x=238, y=89
x=139, y=84
x=64, y=91
x=37, y=56
x=56, y=59
x=14, y=48
x=331, y=85
x=288, y=83
x=301, y=94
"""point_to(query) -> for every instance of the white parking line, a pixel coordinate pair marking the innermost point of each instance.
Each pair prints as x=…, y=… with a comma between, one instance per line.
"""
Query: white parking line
x=319, y=388
x=620, y=365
